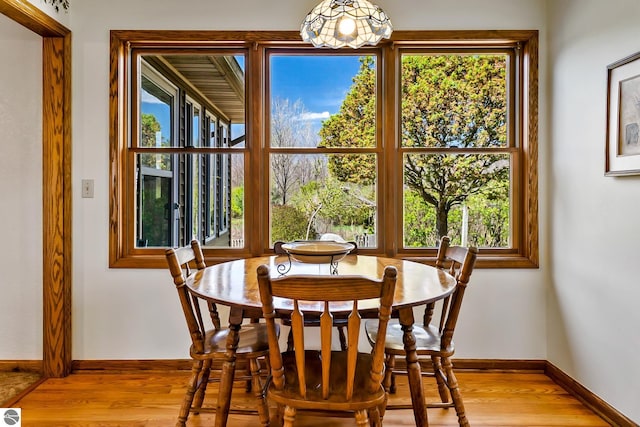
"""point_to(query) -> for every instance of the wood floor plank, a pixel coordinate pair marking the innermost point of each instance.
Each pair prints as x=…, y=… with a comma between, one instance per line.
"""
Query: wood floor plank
x=152, y=399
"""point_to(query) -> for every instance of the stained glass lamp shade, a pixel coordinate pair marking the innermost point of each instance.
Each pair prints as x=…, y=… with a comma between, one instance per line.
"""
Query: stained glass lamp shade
x=339, y=23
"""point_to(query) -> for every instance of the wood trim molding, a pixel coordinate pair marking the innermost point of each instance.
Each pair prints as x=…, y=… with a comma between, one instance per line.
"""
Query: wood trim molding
x=135, y=365
x=499, y=364
x=587, y=397
x=29, y=16
x=20, y=366
x=56, y=185
x=56, y=182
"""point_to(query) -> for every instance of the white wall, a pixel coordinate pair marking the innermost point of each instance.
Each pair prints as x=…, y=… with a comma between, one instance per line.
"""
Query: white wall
x=593, y=298
x=578, y=310
x=20, y=192
x=109, y=319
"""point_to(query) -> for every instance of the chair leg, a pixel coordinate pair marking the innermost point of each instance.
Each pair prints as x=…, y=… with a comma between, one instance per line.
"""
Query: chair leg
x=263, y=408
x=201, y=385
x=383, y=408
x=362, y=418
x=452, y=382
x=389, y=382
x=290, y=340
x=437, y=372
x=248, y=386
x=289, y=416
x=343, y=338
x=196, y=368
x=375, y=417
x=279, y=419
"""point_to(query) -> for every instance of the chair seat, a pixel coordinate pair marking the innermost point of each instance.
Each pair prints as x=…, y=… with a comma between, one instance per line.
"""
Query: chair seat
x=253, y=341
x=290, y=395
x=427, y=339
x=313, y=319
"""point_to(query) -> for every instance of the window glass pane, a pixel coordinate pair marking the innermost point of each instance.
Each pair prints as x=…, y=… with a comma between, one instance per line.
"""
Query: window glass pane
x=156, y=212
x=156, y=110
x=213, y=131
x=212, y=191
x=182, y=196
x=219, y=82
x=195, y=172
x=309, y=198
x=323, y=100
x=466, y=197
x=454, y=100
x=173, y=208
x=225, y=200
x=195, y=127
x=237, y=203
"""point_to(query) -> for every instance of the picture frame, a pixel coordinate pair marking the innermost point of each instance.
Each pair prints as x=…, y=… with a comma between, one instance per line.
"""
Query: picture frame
x=622, y=152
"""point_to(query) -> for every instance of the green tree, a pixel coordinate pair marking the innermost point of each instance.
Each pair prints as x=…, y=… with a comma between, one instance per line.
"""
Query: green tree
x=237, y=202
x=287, y=130
x=419, y=222
x=288, y=223
x=149, y=129
x=448, y=101
x=453, y=101
x=354, y=126
x=338, y=205
x=489, y=216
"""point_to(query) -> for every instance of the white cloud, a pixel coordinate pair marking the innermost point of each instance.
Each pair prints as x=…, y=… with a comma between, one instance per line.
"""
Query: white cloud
x=314, y=116
x=150, y=99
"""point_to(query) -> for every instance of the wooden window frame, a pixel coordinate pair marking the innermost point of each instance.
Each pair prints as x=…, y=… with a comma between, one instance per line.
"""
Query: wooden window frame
x=524, y=254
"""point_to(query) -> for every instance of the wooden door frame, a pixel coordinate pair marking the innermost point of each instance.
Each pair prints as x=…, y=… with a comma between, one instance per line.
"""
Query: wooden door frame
x=56, y=182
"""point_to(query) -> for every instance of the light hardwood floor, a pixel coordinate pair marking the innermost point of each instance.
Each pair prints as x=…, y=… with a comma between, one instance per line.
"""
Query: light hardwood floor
x=152, y=398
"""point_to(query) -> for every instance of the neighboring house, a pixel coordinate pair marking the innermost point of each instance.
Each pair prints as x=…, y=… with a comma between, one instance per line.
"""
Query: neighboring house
x=187, y=101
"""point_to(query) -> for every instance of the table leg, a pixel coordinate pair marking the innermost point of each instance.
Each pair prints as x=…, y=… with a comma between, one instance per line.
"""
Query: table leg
x=228, y=369
x=413, y=368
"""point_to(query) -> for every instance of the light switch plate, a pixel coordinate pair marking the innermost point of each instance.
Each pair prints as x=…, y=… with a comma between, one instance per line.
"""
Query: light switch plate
x=87, y=188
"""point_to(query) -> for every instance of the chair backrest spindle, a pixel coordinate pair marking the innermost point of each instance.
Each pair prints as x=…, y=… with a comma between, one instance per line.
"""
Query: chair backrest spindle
x=326, y=323
x=183, y=263
x=459, y=262
x=324, y=290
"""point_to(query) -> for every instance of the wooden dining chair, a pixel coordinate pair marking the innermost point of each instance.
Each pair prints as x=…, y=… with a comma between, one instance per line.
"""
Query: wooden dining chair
x=208, y=339
x=339, y=322
x=326, y=380
x=434, y=341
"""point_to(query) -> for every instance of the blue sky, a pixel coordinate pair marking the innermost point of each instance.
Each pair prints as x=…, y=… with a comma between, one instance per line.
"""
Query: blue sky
x=320, y=82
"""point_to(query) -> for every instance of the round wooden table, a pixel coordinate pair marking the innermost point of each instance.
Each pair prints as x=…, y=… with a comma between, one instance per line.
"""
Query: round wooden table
x=235, y=284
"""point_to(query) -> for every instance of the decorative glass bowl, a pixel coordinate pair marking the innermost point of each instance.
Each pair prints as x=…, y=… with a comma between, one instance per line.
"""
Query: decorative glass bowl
x=318, y=251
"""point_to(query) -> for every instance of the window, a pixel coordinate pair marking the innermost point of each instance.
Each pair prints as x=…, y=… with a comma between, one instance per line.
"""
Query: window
x=316, y=168
x=432, y=134
x=457, y=146
x=154, y=216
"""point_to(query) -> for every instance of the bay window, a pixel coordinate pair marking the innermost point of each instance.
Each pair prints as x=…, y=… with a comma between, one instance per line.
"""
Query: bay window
x=240, y=139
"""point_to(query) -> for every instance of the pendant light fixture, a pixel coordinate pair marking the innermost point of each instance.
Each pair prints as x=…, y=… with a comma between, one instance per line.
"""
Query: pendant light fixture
x=339, y=23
